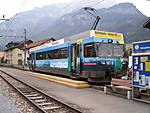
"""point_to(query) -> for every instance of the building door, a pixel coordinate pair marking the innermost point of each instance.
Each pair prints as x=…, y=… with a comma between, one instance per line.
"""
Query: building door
x=20, y=62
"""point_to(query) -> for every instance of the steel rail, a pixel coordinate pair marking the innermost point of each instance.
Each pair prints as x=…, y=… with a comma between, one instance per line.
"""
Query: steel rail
x=29, y=100
x=41, y=92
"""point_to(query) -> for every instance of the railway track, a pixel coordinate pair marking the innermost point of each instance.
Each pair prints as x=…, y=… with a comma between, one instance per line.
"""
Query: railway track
x=40, y=100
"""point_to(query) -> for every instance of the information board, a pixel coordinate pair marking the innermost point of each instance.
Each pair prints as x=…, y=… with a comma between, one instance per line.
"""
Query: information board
x=141, y=65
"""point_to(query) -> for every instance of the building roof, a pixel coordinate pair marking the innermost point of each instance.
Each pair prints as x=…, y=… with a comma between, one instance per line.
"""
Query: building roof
x=12, y=44
x=20, y=45
x=40, y=42
x=147, y=24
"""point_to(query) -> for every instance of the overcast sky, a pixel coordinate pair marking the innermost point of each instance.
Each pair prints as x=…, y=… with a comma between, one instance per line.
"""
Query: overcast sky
x=11, y=7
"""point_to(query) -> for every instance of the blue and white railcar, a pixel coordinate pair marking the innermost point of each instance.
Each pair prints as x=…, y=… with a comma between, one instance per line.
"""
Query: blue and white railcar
x=96, y=56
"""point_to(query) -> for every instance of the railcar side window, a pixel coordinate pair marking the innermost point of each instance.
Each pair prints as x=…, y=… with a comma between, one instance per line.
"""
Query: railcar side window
x=57, y=53
x=53, y=54
x=49, y=55
x=64, y=52
x=89, y=50
x=41, y=56
x=37, y=56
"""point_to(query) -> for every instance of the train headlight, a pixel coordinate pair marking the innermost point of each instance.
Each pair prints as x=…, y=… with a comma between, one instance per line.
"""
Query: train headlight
x=110, y=41
x=124, y=62
x=110, y=63
x=102, y=62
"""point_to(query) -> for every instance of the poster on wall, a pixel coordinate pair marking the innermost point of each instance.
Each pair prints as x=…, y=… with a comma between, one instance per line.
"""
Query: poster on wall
x=135, y=60
x=147, y=66
x=136, y=77
x=135, y=67
x=147, y=79
x=141, y=66
x=142, y=80
x=144, y=59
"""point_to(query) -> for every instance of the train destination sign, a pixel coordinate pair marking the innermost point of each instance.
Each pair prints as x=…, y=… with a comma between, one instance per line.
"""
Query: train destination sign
x=110, y=35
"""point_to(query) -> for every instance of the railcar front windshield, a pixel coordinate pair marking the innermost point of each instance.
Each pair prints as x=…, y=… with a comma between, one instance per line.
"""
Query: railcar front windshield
x=119, y=50
x=109, y=50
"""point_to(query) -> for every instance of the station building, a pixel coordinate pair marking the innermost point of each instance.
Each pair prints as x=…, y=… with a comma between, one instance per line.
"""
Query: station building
x=14, y=52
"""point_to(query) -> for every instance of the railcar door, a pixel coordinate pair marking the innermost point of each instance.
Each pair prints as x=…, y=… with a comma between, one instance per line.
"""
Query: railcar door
x=33, y=58
x=32, y=61
x=75, y=58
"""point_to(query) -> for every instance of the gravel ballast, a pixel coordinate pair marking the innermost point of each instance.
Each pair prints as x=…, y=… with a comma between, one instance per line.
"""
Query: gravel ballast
x=12, y=102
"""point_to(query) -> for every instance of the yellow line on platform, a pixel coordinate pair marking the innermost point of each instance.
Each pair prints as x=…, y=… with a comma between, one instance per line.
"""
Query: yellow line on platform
x=62, y=81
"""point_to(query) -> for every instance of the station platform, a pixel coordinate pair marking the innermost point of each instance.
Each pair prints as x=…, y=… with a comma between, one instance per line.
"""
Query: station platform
x=87, y=100
x=64, y=81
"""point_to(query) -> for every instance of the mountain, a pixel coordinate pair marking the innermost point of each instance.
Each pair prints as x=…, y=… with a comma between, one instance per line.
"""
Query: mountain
x=124, y=18
x=59, y=21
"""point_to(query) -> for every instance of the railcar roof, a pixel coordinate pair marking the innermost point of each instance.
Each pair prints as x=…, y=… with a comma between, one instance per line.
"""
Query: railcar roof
x=76, y=37
x=87, y=36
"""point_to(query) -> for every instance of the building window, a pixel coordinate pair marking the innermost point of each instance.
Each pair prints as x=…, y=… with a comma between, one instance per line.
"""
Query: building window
x=19, y=55
x=41, y=56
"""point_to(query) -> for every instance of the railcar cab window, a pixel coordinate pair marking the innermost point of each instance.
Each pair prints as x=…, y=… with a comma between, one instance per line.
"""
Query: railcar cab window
x=118, y=50
x=110, y=50
x=89, y=50
x=104, y=50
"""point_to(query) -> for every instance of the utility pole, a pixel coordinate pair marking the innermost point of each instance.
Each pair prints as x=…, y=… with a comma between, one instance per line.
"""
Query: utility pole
x=25, y=39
